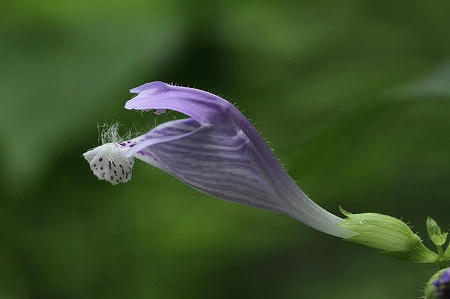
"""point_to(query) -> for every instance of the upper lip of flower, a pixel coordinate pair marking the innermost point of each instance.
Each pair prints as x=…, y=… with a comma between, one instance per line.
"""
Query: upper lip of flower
x=204, y=107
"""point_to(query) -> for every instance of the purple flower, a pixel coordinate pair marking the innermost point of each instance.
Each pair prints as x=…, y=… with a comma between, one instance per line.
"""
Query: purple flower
x=443, y=285
x=216, y=151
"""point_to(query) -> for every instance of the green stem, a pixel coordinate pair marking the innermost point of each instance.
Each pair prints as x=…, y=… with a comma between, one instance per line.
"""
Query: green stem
x=440, y=251
x=442, y=263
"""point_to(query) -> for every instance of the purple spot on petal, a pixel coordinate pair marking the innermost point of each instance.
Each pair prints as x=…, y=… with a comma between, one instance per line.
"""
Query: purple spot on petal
x=101, y=159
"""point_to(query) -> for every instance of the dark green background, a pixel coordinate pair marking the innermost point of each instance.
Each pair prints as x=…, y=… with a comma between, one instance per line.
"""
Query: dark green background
x=354, y=97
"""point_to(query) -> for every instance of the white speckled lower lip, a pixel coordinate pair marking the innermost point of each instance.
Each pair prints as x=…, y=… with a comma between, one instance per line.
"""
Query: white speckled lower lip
x=108, y=162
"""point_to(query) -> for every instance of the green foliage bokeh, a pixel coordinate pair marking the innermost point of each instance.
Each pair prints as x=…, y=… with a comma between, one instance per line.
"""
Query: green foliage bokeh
x=353, y=96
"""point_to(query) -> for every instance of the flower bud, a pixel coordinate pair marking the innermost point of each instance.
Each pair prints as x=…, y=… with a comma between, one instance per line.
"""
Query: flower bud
x=430, y=287
x=388, y=234
x=438, y=287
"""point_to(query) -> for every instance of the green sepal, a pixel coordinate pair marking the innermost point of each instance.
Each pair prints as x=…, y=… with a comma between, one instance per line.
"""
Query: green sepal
x=435, y=233
x=391, y=235
x=420, y=254
x=447, y=253
x=429, y=287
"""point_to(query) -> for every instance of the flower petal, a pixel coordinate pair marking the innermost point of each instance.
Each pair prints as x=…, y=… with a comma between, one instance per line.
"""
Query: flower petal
x=217, y=151
x=202, y=106
x=225, y=156
x=212, y=161
x=224, y=163
x=108, y=162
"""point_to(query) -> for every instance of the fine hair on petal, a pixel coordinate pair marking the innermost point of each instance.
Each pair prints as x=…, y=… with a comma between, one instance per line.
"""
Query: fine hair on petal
x=109, y=133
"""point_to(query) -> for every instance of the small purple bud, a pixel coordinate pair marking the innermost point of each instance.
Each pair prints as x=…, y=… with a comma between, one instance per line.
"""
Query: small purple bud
x=443, y=285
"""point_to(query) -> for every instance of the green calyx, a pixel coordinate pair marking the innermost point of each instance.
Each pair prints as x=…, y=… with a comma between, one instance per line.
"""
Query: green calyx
x=394, y=238
x=391, y=235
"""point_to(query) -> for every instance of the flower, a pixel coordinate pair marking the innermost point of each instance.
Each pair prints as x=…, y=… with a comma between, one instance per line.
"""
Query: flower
x=443, y=285
x=216, y=151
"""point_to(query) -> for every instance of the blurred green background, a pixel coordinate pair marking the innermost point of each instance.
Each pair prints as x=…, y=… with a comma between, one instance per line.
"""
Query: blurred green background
x=352, y=95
